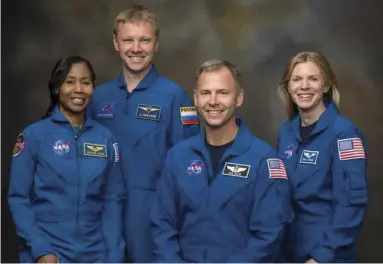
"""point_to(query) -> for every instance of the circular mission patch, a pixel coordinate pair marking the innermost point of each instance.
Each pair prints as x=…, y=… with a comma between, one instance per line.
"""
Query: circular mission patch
x=19, y=146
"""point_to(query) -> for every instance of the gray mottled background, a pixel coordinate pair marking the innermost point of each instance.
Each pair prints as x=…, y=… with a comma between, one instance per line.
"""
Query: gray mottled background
x=258, y=35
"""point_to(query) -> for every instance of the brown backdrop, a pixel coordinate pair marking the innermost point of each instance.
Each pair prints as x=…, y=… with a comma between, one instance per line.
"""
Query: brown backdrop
x=258, y=35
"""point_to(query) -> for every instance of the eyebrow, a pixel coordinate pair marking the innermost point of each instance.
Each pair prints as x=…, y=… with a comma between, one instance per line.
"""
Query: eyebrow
x=73, y=77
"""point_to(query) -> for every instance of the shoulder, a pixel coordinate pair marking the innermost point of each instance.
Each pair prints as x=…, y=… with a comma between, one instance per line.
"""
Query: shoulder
x=105, y=87
x=261, y=148
x=169, y=87
x=343, y=126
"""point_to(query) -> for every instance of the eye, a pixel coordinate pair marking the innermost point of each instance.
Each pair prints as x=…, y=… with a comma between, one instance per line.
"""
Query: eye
x=146, y=40
x=69, y=81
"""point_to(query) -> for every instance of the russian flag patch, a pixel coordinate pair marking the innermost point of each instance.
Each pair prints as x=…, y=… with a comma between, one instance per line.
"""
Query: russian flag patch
x=189, y=115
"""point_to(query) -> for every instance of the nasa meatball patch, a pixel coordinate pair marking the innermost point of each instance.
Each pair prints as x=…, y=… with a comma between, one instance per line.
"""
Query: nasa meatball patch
x=236, y=170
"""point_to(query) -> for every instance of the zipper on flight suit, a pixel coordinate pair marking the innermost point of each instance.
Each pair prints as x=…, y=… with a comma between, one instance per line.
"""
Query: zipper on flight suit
x=76, y=137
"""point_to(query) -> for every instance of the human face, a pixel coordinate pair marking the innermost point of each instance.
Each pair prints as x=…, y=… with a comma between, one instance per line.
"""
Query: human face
x=136, y=43
x=216, y=97
x=306, y=87
x=76, y=91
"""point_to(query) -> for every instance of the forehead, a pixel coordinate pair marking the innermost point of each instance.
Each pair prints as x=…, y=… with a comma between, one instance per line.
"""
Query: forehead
x=218, y=79
x=131, y=28
x=306, y=68
x=79, y=69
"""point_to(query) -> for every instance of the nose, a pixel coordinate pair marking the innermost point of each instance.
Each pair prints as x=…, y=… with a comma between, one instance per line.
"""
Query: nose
x=305, y=84
x=213, y=99
x=78, y=87
x=136, y=47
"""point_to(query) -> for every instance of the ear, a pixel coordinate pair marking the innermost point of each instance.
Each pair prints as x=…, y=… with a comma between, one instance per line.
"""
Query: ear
x=157, y=43
x=115, y=44
x=240, y=97
x=195, y=98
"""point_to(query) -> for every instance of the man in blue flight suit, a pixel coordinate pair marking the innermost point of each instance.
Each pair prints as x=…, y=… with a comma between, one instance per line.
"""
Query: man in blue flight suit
x=148, y=114
x=224, y=194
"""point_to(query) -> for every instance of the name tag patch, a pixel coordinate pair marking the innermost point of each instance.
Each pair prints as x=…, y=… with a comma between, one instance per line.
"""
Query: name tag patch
x=236, y=170
x=95, y=150
x=309, y=157
x=106, y=110
x=150, y=112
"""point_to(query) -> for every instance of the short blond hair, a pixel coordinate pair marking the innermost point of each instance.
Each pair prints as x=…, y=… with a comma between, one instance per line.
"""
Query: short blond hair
x=216, y=65
x=326, y=72
x=136, y=13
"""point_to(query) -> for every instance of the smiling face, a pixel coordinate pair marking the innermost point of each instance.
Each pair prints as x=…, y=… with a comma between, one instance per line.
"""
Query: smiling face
x=306, y=87
x=76, y=91
x=216, y=97
x=136, y=43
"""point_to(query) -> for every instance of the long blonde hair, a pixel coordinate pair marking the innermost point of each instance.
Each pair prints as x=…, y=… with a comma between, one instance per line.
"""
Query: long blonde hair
x=327, y=75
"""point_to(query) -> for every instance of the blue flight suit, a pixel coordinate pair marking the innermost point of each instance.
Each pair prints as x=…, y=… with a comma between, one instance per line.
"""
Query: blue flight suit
x=66, y=192
x=239, y=217
x=327, y=172
x=146, y=123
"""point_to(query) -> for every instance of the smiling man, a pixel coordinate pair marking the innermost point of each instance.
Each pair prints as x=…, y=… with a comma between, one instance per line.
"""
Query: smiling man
x=224, y=194
x=148, y=114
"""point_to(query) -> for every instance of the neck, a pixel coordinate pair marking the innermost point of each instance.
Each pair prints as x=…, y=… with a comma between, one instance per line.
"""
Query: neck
x=132, y=79
x=311, y=116
x=217, y=136
x=73, y=118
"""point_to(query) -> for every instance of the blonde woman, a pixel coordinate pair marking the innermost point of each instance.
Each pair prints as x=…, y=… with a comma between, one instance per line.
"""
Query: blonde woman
x=325, y=158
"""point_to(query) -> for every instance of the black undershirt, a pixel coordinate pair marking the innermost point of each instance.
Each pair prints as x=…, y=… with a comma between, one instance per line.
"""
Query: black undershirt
x=305, y=131
x=216, y=153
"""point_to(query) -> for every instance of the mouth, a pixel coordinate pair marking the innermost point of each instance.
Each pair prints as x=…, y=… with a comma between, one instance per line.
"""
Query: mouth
x=78, y=100
x=305, y=96
x=214, y=112
x=136, y=58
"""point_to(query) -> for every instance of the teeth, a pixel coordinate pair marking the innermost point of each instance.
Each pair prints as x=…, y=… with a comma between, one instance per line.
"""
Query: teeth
x=214, y=112
x=135, y=58
x=78, y=100
x=305, y=95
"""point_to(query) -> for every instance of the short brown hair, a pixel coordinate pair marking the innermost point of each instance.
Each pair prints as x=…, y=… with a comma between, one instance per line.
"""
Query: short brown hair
x=326, y=72
x=136, y=13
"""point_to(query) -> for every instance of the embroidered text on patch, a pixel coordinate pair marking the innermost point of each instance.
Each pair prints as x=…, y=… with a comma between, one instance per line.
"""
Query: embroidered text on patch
x=351, y=148
x=150, y=112
x=236, y=170
x=61, y=147
x=195, y=167
x=106, y=110
x=189, y=115
x=95, y=150
x=309, y=157
x=276, y=169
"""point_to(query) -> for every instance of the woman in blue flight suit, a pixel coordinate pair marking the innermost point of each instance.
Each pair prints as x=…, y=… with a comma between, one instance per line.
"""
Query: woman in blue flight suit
x=325, y=158
x=65, y=190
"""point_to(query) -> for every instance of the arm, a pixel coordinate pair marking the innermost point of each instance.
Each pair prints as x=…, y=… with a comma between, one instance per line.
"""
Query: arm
x=164, y=217
x=112, y=210
x=20, y=186
x=271, y=212
x=186, y=124
x=349, y=198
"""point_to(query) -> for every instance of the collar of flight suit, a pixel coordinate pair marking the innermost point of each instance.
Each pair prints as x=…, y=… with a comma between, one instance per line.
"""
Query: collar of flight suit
x=324, y=121
x=57, y=116
x=149, y=79
x=241, y=144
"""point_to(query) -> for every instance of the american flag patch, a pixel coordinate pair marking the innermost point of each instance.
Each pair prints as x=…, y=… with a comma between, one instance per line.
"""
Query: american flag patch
x=116, y=153
x=351, y=148
x=276, y=169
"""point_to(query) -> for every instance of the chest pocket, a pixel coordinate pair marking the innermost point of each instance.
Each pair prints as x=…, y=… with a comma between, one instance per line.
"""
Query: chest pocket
x=93, y=160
